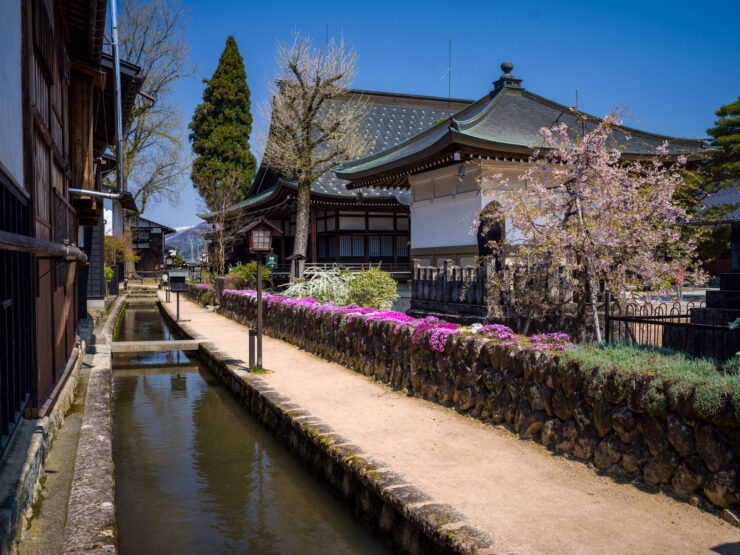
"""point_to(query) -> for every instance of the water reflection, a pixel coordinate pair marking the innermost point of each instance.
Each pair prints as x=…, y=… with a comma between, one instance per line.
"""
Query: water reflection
x=195, y=474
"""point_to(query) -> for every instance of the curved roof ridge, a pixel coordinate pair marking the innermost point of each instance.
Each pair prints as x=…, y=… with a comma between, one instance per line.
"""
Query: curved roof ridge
x=568, y=109
x=446, y=122
x=493, y=100
x=407, y=96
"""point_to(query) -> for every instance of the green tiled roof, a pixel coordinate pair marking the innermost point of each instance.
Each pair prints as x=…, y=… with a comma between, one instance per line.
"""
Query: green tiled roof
x=509, y=117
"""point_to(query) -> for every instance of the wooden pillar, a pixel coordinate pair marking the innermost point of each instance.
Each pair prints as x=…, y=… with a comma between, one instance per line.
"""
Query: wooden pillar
x=336, y=236
x=314, y=250
x=81, y=131
x=367, y=237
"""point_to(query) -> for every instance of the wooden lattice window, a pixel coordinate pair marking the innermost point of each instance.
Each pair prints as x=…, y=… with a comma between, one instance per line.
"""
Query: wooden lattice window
x=43, y=36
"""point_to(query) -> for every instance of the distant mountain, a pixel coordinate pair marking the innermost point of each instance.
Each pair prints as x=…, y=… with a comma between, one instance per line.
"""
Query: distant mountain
x=189, y=241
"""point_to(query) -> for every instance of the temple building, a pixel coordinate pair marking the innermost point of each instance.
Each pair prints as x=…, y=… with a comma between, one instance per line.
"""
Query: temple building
x=440, y=168
x=366, y=225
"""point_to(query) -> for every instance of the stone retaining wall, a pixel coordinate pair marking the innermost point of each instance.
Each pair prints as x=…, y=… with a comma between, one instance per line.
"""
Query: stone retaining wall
x=605, y=422
x=194, y=293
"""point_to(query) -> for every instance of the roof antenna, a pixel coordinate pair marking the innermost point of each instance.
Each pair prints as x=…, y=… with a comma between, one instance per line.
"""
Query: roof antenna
x=449, y=71
x=576, y=106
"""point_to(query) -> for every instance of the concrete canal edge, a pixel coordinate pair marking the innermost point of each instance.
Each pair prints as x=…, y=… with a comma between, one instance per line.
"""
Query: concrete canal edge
x=90, y=525
x=379, y=497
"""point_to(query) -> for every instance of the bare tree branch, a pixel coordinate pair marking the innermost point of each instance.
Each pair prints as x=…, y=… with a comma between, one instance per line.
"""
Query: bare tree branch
x=154, y=37
x=311, y=129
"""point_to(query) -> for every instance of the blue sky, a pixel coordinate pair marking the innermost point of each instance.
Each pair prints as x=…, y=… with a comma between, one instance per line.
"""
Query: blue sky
x=670, y=63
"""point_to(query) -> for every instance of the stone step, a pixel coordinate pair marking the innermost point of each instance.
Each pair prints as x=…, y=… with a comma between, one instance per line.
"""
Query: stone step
x=729, y=282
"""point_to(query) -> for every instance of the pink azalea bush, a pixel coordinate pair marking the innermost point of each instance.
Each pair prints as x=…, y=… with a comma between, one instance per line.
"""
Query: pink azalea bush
x=203, y=286
x=429, y=330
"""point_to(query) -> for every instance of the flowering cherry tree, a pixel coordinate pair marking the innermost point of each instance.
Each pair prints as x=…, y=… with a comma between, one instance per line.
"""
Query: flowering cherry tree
x=583, y=215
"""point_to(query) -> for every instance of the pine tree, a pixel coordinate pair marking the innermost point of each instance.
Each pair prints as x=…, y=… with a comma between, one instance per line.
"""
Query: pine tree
x=222, y=124
x=724, y=168
x=717, y=172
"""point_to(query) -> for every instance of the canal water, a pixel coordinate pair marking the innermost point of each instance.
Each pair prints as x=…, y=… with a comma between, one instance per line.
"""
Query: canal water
x=195, y=474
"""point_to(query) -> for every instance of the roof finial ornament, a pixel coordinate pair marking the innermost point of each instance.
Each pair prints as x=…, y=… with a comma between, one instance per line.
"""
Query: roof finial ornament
x=507, y=80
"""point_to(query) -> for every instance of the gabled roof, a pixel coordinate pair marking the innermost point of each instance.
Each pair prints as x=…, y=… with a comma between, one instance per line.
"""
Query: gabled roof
x=506, y=121
x=391, y=118
x=726, y=197
x=138, y=220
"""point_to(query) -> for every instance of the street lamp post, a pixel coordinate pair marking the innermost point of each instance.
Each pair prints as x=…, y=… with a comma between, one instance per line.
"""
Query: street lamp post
x=260, y=242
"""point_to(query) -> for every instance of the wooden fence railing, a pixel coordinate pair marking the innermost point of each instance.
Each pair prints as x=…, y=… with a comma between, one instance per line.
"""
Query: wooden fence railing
x=451, y=288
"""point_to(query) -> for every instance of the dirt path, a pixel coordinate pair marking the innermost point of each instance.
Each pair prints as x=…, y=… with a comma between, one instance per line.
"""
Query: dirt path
x=529, y=499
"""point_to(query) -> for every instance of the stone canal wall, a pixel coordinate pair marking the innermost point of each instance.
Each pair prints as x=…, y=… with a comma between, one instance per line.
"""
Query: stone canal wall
x=613, y=423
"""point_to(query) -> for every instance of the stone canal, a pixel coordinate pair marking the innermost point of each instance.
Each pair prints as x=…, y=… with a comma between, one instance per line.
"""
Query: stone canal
x=195, y=474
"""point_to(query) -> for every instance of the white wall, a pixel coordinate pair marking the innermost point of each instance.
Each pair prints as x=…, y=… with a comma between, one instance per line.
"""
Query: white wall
x=445, y=222
x=444, y=209
x=11, y=94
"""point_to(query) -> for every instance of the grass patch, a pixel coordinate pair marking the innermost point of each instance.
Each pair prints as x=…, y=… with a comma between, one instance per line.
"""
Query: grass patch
x=669, y=376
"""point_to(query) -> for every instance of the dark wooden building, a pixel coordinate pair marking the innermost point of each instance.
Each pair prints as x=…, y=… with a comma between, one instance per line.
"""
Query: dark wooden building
x=147, y=239
x=55, y=124
x=347, y=227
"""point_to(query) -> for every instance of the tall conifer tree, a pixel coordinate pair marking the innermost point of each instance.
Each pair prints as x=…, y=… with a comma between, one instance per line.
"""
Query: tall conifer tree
x=222, y=124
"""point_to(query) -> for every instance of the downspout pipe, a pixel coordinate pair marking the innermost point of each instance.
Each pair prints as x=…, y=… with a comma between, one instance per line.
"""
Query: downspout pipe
x=117, y=87
x=95, y=194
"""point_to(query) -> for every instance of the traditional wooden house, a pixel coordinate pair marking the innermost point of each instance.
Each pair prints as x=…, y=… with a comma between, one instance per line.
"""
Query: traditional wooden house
x=367, y=225
x=55, y=123
x=441, y=167
x=147, y=239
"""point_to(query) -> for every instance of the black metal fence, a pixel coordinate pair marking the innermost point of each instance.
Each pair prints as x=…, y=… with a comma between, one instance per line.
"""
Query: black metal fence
x=682, y=326
x=15, y=315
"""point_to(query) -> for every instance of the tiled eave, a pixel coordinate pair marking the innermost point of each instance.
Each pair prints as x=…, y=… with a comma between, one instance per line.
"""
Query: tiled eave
x=454, y=148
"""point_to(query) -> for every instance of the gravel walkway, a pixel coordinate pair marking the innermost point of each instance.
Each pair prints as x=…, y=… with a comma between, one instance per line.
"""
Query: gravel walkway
x=529, y=499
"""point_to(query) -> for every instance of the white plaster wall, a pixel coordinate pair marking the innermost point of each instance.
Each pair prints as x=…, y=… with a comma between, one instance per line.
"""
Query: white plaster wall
x=11, y=94
x=449, y=220
x=444, y=222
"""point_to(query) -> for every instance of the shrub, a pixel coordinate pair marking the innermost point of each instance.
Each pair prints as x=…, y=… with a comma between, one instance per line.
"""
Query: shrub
x=732, y=366
x=205, y=298
x=674, y=375
x=373, y=287
x=107, y=273
x=322, y=285
x=248, y=273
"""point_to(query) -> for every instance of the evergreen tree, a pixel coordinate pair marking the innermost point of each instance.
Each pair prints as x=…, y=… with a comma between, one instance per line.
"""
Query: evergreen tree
x=222, y=124
x=724, y=168
x=719, y=171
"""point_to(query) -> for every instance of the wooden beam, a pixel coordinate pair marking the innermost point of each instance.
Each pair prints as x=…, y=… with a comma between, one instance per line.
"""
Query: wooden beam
x=81, y=131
